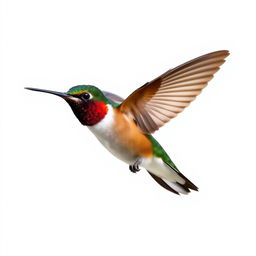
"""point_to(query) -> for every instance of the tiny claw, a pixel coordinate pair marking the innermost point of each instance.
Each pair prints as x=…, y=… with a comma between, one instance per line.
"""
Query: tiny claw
x=135, y=167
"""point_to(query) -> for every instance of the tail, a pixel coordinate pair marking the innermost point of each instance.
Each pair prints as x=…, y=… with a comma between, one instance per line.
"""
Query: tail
x=175, y=187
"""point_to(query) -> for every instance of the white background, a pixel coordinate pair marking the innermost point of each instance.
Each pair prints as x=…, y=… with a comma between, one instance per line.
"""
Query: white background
x=62, y=193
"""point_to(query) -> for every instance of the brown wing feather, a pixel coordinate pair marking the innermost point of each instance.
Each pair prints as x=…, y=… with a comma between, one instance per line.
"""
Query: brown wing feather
x=156, y=102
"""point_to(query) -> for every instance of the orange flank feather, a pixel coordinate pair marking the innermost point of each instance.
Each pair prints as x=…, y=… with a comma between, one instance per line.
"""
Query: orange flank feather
x=130, y=135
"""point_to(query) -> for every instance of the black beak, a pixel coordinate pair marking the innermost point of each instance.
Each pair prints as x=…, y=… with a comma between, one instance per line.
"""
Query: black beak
x=61, y=94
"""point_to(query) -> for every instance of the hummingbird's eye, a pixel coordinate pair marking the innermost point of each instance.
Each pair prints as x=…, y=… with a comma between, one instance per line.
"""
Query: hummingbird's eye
x=86, y=96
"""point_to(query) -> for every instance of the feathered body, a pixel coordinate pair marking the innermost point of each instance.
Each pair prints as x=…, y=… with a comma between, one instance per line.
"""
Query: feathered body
x=124, y=127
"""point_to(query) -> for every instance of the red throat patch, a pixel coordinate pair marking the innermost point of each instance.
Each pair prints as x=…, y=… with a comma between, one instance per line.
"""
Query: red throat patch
x=92, y=112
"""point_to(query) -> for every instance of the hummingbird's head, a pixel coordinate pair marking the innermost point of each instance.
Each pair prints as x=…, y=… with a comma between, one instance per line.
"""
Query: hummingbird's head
x=87, y=102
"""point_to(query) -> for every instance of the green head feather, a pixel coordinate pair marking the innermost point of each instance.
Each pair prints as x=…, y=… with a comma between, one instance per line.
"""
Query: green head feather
x=97, y=94
x=93, y=90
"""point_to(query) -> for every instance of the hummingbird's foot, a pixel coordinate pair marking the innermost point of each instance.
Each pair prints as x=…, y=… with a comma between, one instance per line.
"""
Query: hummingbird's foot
x=135, y=167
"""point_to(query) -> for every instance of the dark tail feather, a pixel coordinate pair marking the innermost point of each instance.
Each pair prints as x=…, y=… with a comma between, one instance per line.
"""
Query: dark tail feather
x=162, y=183
x=175, y=187
x=188, y=184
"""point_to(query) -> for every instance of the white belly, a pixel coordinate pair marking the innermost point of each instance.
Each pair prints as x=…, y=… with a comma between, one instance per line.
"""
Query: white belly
x=103, y=130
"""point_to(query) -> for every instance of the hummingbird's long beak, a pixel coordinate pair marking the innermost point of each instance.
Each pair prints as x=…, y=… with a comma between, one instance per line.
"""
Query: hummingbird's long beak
x=61, y=94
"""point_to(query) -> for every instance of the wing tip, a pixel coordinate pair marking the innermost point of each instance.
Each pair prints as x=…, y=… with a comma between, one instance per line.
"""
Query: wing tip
x=223, y=54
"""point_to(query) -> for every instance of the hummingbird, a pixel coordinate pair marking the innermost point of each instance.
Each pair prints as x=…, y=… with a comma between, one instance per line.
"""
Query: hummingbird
x=125, y=126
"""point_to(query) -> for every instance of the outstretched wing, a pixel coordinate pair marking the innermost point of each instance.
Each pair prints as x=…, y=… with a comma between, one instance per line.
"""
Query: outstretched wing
x=156, y=102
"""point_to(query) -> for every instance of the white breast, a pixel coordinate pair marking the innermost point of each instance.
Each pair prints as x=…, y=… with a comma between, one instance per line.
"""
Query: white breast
x=104, y=132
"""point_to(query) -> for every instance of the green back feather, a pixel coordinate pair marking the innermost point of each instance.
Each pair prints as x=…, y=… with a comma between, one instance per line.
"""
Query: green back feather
x=158, y=151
